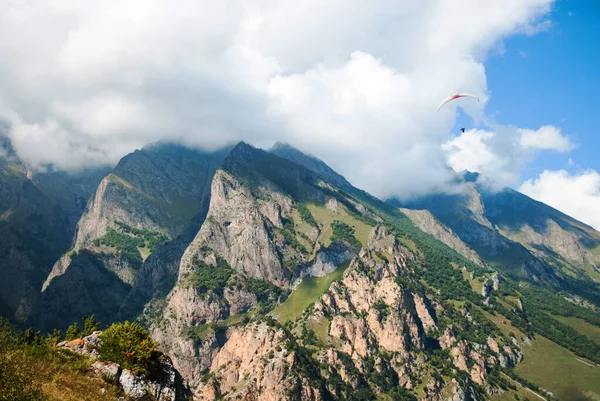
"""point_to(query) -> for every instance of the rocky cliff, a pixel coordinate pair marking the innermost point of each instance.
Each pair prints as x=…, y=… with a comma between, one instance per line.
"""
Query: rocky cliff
x=152, y=198
x=378, y=327
x=377, y=330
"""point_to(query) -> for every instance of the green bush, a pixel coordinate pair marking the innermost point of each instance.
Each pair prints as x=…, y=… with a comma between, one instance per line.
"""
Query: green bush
x=90, y=325
x=306, y=215
x=289, y=233
x=124, y=244
x=73, y=332
x=209, y=279
x=153, y=239
x=16, y=377
x=343, y=232
x=129, y=345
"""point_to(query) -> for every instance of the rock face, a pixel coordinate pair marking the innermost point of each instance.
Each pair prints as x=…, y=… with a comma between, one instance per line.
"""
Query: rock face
x=161, y=190
x=486, y=288
x=87, y=346
x=375, y=325
x=328, y=259
x=169, y=387
x=369, y=307
x=249, y=225
x=254, y=361
x=496, y=281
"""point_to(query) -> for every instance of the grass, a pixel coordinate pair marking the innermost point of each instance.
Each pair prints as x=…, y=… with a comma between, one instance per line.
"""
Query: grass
x=502, y=323
x=307, y=292
x=560, y=371
x=587, y=329
x=65, y=376
x=145, y=252
x=234, y=319
x=325, y=216
x=552, y=367
x=321, y=328
x=203, y=331
x=420, y=388
x=590, y=271
x=522, y=392
x=476, y=285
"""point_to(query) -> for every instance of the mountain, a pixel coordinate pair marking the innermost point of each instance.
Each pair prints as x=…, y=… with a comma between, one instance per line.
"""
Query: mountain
x=267, y=275
x=38, y=215
x=130, y=235
x=286, y=151
x=518, y=235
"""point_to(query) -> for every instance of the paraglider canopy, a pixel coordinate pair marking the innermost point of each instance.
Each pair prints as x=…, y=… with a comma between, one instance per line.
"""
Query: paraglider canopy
x=450, y=98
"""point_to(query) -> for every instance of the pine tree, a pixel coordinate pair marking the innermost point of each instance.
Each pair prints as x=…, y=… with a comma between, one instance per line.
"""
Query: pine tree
x=90, y=325
x=73, y=332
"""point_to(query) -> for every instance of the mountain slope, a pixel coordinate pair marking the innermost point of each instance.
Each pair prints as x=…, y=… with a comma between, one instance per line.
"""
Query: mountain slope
x=310, y=162
x=527, y=239
x=426, y=222
x=38, y=214
x=151, y=199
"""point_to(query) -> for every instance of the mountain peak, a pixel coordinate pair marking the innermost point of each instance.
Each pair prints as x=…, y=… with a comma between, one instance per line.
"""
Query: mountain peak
x=281, y=145
x=310, y=162
x=470, y=176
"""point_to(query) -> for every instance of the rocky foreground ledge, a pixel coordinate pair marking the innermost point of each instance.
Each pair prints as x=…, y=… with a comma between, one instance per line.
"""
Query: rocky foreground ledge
x=170, y=387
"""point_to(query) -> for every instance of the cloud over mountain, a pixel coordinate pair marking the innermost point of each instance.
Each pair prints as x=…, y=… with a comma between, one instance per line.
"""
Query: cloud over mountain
x=577, y=195
x=354, y=83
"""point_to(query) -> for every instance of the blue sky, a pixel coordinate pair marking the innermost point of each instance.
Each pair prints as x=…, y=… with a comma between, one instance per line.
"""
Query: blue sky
x=552, y=78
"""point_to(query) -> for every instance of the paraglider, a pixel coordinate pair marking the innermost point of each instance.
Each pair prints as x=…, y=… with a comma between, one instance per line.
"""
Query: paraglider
x=458, y=95
x=463, y=130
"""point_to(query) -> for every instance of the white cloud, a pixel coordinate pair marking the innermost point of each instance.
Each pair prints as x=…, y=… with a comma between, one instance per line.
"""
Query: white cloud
x=355, y=83
x=503, y=152
x=547, y=137
x=577, y=195
x=470, y=152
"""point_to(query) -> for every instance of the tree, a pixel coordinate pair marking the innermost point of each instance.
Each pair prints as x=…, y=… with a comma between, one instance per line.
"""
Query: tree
x=72, y=332
x=54, y=338
x=129, y=345
x=90, y=325
x=31, y=337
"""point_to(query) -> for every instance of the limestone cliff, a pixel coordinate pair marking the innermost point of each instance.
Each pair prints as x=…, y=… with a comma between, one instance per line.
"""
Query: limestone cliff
x=154, y=196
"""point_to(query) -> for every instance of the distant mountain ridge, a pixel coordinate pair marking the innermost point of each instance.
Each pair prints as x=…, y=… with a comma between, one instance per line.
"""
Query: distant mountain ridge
x=526, y=238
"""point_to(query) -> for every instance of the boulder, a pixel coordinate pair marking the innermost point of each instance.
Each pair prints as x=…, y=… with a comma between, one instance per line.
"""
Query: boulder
x=109, y=371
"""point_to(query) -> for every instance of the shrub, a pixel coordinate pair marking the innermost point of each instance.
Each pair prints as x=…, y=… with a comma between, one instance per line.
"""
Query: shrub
x=343, y=232
x=90, y=325
x=73, y=332
x=16, y=377
x=206, y=278
x=129, y=345
x=306, y=215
